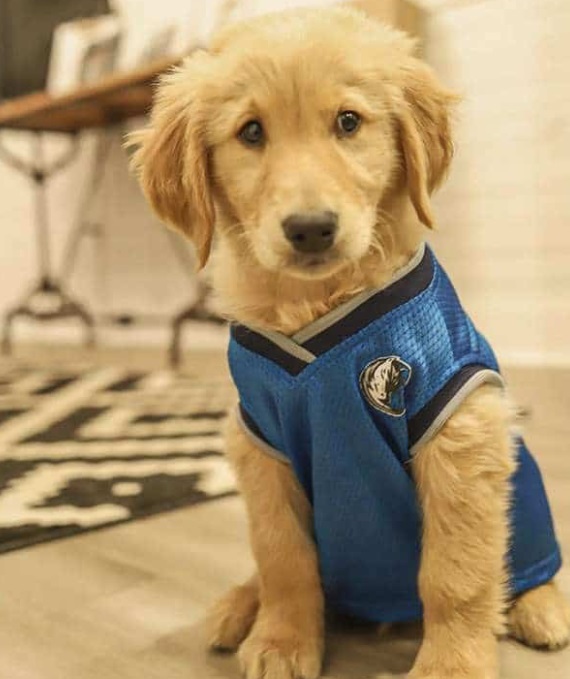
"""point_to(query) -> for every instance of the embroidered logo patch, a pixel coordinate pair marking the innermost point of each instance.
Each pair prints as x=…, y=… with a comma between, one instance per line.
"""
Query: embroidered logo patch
x=380, y=382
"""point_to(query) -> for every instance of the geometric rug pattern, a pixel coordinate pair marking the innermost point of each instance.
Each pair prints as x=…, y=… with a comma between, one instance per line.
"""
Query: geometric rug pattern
x=84, y=447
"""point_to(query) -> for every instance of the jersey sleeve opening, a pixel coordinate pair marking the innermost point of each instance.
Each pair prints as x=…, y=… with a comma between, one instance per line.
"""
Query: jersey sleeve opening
x=425, y=424
x=254, y=433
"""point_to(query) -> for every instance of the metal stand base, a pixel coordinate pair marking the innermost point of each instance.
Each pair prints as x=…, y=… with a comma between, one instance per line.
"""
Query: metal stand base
x=197, y=311
x=47, y=302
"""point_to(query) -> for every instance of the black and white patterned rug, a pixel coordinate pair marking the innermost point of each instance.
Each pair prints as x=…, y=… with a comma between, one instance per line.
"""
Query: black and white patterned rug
x=82, y=448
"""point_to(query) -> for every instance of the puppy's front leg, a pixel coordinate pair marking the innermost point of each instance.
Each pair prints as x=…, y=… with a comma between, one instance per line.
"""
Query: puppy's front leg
x=463, y=483
x=286, y=641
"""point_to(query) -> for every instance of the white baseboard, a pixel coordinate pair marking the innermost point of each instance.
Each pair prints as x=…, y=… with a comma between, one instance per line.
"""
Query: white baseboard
x=194, y=335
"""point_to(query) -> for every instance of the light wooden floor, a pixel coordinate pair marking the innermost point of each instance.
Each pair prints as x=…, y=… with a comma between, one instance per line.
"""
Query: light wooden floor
x=127, y=602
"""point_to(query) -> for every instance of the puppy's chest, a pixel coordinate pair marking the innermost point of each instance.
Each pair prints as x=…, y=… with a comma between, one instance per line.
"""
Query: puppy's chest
x=366, y=384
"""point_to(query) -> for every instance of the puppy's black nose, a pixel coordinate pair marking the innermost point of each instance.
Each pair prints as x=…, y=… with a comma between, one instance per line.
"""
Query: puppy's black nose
x=311, y=232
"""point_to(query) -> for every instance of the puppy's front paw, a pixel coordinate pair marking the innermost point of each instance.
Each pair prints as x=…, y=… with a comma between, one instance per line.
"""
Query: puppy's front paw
x=273, y=652
x=232, y=618
x=449, y=659
x=541, y=618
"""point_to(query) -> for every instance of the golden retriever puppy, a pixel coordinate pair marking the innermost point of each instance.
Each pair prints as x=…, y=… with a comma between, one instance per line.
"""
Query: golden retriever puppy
x=373, y=444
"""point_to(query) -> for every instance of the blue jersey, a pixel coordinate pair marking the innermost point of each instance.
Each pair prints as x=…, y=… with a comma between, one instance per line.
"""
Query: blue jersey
x=347, y=401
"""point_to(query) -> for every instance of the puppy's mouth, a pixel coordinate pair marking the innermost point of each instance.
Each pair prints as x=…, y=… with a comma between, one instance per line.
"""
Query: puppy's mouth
x=312, y=265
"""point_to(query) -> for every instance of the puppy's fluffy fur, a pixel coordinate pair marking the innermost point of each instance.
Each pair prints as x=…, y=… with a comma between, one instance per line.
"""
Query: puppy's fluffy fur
x=294, y=72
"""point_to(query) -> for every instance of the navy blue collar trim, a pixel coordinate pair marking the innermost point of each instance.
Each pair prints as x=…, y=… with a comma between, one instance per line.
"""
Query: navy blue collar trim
x=263, y=346
x=371, y=309
x=381, y=303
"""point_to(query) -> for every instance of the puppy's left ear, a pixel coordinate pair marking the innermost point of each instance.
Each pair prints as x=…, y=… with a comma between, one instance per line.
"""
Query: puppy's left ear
x=423, y=114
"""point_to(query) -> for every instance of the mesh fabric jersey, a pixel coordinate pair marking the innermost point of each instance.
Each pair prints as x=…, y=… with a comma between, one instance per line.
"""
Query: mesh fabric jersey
x=348, y=401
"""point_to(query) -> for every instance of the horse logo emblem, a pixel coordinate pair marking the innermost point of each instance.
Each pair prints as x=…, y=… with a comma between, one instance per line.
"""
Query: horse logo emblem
x=381, y=383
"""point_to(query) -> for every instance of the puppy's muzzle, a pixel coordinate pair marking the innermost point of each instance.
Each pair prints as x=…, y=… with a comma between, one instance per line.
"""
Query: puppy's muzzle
x=311, y=233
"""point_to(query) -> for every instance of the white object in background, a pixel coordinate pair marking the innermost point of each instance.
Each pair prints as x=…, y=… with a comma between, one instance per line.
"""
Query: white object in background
x=245, y=9
x=177, y=26
x=82, y=51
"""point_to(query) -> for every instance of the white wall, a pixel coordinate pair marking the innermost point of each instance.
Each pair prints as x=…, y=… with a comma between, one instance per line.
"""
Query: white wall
x=503, y=215
x=505, y=211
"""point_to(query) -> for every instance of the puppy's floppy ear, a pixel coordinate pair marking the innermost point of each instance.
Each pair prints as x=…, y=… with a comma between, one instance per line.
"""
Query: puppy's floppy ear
x=423, y=114
x=172, y=160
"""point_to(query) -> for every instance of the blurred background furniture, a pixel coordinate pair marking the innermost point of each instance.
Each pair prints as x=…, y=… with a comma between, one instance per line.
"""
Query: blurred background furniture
x=74, y=95
x=47, y=34
x=99, y=106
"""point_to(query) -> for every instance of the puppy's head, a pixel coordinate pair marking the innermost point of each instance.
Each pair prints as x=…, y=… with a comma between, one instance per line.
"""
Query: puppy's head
x=290, y=133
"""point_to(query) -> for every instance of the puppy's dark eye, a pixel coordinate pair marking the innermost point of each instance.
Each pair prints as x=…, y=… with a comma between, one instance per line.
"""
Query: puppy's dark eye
x=347, y=123
x=252, y=133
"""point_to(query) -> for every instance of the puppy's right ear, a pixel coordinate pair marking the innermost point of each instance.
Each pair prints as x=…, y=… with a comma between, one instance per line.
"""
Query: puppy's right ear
x=171, y=160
